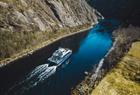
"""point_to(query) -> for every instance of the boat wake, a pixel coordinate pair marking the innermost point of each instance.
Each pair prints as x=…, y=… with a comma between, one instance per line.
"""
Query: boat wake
x=38, y=75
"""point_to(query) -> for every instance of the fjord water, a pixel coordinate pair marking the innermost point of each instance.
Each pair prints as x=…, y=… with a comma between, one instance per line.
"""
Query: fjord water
x=90, y=51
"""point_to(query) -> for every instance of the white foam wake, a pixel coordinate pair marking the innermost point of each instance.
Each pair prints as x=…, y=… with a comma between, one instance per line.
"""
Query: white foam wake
x=38, y=75
x=98, y=69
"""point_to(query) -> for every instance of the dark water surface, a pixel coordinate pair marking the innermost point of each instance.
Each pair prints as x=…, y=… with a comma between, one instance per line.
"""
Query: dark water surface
x=90, y=50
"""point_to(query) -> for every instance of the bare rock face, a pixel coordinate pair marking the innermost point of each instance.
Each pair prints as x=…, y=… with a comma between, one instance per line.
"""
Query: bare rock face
x=3, y=5
x=26, y=24
x=44, y=15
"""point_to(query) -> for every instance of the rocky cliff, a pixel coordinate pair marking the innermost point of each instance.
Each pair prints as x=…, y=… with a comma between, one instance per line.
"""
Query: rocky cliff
x=41, y=15
x=26, y=23
x=126, y=10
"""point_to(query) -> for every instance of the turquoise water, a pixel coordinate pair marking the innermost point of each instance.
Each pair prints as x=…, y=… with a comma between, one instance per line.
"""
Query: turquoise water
x=91, y=50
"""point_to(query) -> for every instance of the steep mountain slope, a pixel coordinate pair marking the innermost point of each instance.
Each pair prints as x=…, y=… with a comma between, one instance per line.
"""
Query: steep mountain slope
x=22, y=20
x=124, y=78
x=44, y=14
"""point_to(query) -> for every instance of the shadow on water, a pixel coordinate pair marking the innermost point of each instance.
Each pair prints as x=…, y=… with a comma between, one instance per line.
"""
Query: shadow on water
x=88, y=49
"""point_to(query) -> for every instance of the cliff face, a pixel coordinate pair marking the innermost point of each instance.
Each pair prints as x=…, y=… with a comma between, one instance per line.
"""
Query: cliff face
x=36, y=15
x=126, y=10
x=26, y=23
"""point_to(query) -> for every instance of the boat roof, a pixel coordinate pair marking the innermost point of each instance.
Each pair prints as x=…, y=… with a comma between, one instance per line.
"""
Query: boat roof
x=59, y=54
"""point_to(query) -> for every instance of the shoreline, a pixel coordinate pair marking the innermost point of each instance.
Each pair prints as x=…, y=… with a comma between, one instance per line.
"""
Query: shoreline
x=30, y=51
x=121, y=44
x=94, y=76
x=124, y=65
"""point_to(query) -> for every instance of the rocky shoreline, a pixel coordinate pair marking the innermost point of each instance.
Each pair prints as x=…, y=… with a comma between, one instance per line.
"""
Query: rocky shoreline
x=25, y=24
x=122, y=38
x=123, y=79
x=44, y=44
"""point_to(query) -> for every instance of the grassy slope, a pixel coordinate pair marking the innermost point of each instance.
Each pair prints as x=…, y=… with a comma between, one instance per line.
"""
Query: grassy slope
x=124, y=78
